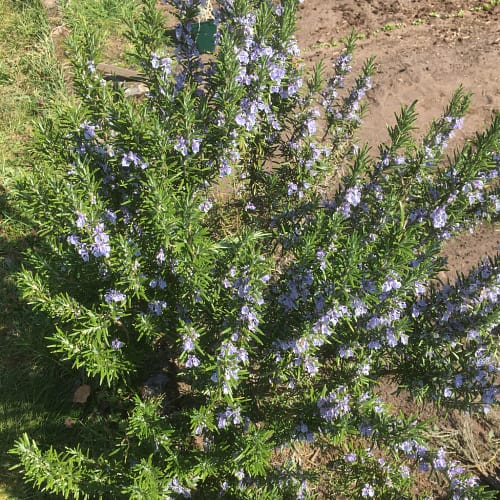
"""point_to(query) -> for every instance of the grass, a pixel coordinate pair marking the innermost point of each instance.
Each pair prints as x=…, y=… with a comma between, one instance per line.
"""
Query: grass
x=108, y=20
x=35, y=392
x=104, y=15
x=29, y=77
x=29, y=73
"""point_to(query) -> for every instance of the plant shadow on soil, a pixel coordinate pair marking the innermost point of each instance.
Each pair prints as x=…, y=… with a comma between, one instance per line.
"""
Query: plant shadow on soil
x=33, y=389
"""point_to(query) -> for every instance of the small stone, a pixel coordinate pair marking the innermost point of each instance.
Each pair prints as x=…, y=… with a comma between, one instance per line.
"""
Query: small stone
x=136, y=90
x=81, y=394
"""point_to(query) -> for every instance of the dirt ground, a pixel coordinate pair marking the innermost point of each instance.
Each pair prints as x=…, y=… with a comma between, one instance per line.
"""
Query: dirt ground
x=424, y=50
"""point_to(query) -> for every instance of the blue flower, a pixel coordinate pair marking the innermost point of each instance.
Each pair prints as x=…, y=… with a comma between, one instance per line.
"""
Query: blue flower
x=114, y=296
x=368, y=491
x=80, y=219
x=88, y=130
x=192, y=361
x=195, y=145
x=155, y=62
x=353, y=196
x=311, y=125
x=160, y=257
x=439, y=462
x=73, y=239
x=84, y=253
x=117, y=344
x=130, y=158
x=276, y=73
x=100, y=247
x=205, y=206
x=391, y=284
x=226, y=417
x=181, y=146
x=156, y=307
x=438, y=217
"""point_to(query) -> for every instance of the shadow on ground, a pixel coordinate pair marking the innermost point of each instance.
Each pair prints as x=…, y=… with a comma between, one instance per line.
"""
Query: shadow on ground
x=33, y=389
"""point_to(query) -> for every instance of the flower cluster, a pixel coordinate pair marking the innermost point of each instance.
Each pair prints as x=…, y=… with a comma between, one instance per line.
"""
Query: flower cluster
x=229, y=416
x=336, y=405
x=100, y=241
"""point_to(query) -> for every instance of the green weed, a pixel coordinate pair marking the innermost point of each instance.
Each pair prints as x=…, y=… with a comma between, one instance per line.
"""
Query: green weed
x=29, y=75
x=108, y=19
x=104, y=15
x=323, y=45
x=486, y=6
x=389, y=27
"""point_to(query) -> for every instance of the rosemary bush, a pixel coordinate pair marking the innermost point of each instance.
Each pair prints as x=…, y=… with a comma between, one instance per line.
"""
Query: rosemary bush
x=233, y=276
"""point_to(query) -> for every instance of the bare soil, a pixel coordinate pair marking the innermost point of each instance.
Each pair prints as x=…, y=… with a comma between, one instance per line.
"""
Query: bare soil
x=424, y=50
